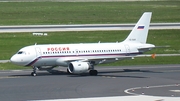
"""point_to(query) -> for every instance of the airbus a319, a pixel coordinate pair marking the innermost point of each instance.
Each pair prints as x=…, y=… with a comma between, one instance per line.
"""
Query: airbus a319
x=80, y=58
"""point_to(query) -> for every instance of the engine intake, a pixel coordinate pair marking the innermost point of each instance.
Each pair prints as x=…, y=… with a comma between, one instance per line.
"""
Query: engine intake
x=78, y=67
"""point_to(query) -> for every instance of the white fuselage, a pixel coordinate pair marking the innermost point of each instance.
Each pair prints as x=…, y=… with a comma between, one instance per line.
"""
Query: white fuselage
x=62, y=54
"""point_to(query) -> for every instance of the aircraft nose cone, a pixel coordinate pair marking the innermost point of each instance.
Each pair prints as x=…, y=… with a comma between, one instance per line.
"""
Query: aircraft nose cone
x=19, y=60
x=13, y=59
x=16, y=60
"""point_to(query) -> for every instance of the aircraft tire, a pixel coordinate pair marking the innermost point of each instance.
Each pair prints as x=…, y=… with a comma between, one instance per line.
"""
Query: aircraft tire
x=93, y=72
x=33, y=74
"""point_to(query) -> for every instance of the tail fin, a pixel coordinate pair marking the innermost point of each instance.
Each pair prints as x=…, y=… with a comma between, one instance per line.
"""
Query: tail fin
x=140, y=31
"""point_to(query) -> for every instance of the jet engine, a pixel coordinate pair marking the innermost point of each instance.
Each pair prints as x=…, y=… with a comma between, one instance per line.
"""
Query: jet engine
x=78, y=67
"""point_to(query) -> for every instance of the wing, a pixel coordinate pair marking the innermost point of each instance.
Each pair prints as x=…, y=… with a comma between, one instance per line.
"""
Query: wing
x=96, y=60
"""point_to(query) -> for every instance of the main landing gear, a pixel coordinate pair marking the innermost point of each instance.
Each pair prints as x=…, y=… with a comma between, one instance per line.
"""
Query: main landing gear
x=92, y=71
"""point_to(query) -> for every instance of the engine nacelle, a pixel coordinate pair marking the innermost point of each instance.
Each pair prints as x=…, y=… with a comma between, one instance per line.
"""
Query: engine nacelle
x=78, y=67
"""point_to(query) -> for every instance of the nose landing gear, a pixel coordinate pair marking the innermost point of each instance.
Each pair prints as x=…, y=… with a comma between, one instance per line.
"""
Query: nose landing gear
x=33, y=74
x=34, y=71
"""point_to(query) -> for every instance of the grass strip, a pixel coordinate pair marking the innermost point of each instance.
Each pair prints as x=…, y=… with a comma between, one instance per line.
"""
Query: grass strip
x=35, y=13
x=10, y=43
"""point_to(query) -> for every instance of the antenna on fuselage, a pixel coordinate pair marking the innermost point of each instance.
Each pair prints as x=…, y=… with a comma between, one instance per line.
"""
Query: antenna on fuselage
x=35, y=44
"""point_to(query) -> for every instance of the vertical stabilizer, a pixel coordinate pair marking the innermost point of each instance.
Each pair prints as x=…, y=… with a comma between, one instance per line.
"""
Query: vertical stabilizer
x=140, y=31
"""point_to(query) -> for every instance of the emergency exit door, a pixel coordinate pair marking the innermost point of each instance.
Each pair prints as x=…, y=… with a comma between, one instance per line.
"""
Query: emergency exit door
x=38, y=52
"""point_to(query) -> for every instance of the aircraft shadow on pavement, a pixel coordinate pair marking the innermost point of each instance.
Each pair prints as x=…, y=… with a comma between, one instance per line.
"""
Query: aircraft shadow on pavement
x=43, y=73
x=114, y=73
x=126, y=71
x=101, y=73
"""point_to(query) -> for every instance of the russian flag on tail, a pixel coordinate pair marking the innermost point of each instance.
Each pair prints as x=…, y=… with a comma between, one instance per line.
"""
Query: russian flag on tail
x=140, y=27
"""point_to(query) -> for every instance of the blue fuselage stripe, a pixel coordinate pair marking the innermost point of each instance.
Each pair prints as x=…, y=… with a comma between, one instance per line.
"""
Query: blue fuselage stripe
x=79, y=55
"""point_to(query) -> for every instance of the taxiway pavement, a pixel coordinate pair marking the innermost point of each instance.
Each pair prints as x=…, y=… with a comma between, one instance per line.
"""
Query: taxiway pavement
x=151, y=80
x=82, y=27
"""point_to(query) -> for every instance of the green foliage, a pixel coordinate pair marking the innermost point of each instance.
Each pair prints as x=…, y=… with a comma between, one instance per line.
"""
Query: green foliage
x=10, y=66
x=22, y=13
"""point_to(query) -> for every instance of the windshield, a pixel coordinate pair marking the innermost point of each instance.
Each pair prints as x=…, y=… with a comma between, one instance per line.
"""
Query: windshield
x=20, y=52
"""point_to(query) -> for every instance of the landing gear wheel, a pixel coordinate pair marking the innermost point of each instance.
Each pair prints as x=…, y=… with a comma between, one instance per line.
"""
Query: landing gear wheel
x=33, y=74
x=93, y=72
x=34, y=71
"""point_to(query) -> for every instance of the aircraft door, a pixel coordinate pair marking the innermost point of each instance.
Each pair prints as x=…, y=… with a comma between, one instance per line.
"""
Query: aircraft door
x=38, y=52
x=127, y=48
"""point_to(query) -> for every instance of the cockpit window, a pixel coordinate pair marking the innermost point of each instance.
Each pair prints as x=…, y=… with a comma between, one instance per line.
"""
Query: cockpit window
x=20, y=52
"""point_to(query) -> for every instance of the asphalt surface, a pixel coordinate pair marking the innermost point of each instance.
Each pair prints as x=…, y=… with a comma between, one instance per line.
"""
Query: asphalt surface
x=152, y=80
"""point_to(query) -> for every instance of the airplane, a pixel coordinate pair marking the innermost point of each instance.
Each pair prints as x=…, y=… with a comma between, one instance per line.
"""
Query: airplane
x=82, y=57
